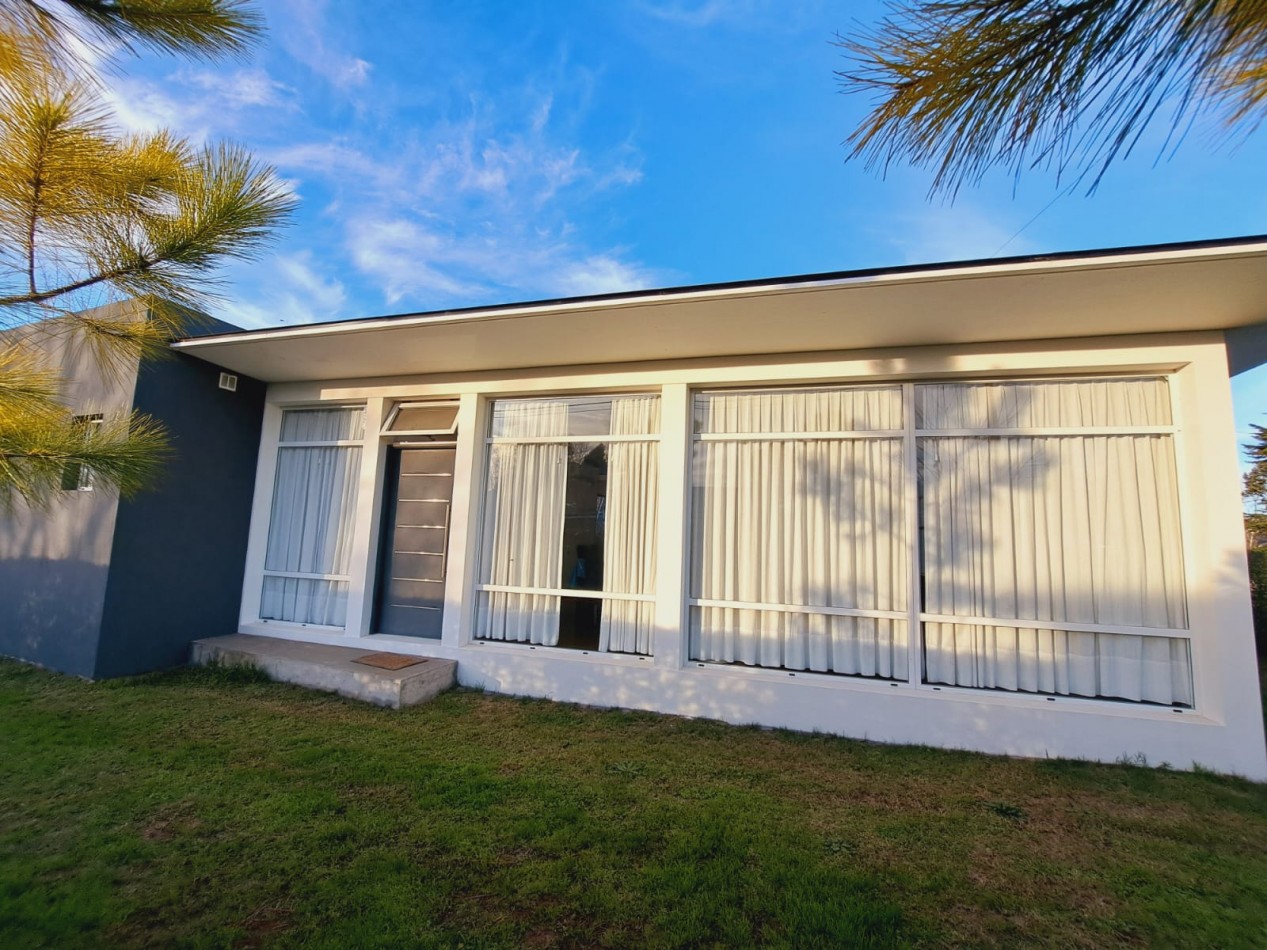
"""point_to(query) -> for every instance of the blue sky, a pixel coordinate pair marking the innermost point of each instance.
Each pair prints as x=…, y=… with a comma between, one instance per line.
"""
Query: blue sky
x=452, y=154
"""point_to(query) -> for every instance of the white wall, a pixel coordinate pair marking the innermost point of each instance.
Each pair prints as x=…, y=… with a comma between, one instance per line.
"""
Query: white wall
x=1224, y=731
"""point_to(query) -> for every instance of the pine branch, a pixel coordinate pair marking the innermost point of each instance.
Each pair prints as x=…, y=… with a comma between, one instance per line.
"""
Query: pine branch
x=963, y=86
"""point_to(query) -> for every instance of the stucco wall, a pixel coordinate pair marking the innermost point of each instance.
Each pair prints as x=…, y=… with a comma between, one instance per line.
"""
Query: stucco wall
x=53, y=563
x=176, y=571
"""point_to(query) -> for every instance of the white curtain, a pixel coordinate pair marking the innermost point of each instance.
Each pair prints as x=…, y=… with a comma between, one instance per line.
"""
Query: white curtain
x=629, y=555
x=310, y=532
x=523, y=524
x=1022, y=405
x=323, y=425
x=1079, y=529
x=816, y=523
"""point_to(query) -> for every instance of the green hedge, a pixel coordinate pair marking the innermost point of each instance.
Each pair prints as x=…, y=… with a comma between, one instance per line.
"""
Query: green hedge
x=1258, y=587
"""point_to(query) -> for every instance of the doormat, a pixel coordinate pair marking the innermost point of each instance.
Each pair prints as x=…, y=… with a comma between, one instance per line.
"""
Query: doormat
x=388, y=661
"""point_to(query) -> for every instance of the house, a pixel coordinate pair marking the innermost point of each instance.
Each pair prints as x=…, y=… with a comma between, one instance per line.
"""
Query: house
x=99, y=587
x=989, y=505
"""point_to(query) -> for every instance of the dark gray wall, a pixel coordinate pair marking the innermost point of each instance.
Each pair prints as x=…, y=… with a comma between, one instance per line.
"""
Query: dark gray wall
x=179, y=551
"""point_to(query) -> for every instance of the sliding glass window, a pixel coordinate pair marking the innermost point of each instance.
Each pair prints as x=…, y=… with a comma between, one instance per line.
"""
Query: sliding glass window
x=307, y=561
x=1053, y=557
x=1039, y=520
x=799, y=548
x=568, y=552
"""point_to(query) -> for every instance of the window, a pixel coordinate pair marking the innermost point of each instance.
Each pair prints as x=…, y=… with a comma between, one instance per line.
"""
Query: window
x=1053, y=561
x=75, y=475
x=423, y=418
x=1039, y=520
x=799, y=549
x=569, y=530
x=307, y=560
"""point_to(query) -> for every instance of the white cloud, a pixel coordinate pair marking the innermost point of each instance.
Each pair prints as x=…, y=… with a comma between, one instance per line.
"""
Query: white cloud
x=305, y=38
x=471, y=211
x=197, y=105
x=244, y=88
x=603, y=274
x=937, y=233
x=405, y=258
x=295, y=293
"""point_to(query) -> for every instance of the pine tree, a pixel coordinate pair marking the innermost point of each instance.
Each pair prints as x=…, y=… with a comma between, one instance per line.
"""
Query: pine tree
x=964, y=86
x=90, y=214
x=1255, y=490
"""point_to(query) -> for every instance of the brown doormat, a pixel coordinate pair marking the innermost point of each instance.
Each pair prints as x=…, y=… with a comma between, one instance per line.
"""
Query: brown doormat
x=389, y=661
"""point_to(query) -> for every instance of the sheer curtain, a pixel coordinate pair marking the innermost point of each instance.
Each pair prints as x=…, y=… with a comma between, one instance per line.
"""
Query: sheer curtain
x=813, y=523
x=523, y=524
x=311, y=521
x=633, y=478
x=1079, y=529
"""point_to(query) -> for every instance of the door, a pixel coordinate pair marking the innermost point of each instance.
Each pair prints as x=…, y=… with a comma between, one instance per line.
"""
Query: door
x=410, y=598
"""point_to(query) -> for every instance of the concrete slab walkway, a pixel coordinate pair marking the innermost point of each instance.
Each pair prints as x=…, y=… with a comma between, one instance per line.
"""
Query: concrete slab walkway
x=332, y=669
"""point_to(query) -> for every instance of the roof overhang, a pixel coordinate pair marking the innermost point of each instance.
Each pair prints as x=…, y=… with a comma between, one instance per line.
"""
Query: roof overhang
x=1214, y=286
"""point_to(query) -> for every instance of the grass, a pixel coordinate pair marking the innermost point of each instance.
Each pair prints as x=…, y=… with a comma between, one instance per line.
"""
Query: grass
x=210, y=808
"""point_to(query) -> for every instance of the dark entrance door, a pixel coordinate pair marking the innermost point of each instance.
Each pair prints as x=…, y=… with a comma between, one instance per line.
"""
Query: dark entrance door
x=410, y=598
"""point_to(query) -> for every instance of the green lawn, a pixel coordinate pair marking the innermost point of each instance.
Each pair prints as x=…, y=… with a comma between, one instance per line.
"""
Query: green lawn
x=201, y=808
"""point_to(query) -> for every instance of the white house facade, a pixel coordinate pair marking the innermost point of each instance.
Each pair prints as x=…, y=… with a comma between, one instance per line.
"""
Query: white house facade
x=989, y=506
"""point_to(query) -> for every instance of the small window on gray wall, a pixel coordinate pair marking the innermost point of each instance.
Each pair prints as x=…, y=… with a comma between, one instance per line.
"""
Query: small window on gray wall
x=76, y=476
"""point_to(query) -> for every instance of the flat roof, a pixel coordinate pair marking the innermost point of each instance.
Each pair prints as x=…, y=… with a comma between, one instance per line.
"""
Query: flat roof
x=1200, y=285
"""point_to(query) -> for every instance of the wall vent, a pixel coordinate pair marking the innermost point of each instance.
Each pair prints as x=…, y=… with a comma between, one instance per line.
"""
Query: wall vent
x=229, y=381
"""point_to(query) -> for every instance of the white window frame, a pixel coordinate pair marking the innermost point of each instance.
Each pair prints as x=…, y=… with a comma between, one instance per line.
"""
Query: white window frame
x=271, y=445
x=915, y=616
x=478, y=587
x=1194, y=363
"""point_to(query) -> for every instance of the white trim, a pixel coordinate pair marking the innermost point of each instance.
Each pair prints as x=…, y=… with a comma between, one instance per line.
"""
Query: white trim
x=673, y=529
x=1038, y=432
x=914, y=541
x=465, y=524
x=306, y=577
x=558, y=439
x=368, y=522
x=261, y=514
x=852, y=434
x=565, y=592
x=1059, y=626
x=333, y=443
x=944, y=274
x=799, y=609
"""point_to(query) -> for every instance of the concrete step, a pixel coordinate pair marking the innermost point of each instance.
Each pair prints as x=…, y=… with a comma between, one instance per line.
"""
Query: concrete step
x=332, y=669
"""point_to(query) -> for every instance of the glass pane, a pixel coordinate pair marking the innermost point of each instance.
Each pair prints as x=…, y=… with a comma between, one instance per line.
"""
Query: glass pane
x=314, y=504
x=584, y=515
x=1080, y=529
x=576, y=416
x=799, y=410
x=854, y=646
x=304, y=600
x=1108, y=665
x=810, y=523
x=425, y=419
x=323, y=425
x=589, y=415
x=1024, y=405
x=529, y=418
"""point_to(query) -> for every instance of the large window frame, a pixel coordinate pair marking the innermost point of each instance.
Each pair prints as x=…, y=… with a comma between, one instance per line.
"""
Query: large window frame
x=676, y=387
x=481, y=589
x=911, y=435
x=280, y=444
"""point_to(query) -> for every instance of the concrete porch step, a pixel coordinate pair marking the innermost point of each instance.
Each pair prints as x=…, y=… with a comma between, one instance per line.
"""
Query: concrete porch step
x=332, y=669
